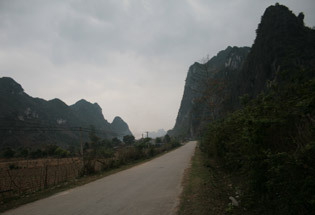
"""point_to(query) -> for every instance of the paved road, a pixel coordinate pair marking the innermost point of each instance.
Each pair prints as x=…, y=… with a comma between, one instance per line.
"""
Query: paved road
x=151, y=188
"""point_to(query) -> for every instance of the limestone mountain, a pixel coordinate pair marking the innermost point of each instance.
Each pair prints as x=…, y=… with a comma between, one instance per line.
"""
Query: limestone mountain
x=119, y=125
x=283, y=52
x=28, y=121
x=159, y=133
x=284, y=49
x=205, y=88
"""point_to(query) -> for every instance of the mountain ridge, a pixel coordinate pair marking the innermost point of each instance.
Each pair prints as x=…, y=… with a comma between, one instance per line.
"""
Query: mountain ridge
x=212, y=75
x=283, y=46
x=20, y=114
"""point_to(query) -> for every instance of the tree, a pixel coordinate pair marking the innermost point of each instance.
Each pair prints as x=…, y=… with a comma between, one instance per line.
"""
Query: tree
x=51, y=149
x=36, y=154
x=8, y=153
x=61, y=153
x=301, y=17
x=92, y=135
x=116, y=141
x=107, y=143
x=158, y=140
x=167, y=138
x=22, y=152
x=129, y=139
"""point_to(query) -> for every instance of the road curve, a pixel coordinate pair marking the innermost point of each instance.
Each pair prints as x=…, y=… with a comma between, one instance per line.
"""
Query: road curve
x=151, y=188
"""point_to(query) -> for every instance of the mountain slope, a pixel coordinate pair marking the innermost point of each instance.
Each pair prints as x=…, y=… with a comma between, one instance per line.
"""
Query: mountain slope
x=266, y=143
x=283, y=52
x=205, y=88
x=119, y=125
x=283, y=45
x=27, y=121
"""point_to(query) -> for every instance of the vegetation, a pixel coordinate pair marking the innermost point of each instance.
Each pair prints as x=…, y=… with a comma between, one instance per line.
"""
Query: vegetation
x=52, y=151
x=265, y=140
x=206, y=188
x=47, y=168
x=129, y=139
x=271, y=143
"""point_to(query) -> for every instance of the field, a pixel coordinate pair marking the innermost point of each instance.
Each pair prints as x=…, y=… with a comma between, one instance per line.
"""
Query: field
x=26, y=176
x=22, y=177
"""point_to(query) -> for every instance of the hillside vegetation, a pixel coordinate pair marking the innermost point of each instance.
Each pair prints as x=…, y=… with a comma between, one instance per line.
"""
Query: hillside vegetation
x=271, y=143
x=264, y=132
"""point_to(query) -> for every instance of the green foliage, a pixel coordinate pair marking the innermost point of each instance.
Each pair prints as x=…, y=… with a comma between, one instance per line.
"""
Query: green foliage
x=167, y=138
x=272, y=141
x=51, y=149
x=116, y=141
x=48, y=151
x=129, y=139
x=36, y=154
x=8, y=153
x=22, y=152
x=158, y=140
x=92, y=135
x=61, y=153
x=105, y=152
x=244, y=99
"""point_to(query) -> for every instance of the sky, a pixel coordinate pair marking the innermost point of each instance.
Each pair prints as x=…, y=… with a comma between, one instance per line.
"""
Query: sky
x=129, y=56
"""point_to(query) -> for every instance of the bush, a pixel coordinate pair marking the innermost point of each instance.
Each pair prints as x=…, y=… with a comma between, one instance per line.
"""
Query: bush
x=36, y=154
x=271, y=140
x=8, y=153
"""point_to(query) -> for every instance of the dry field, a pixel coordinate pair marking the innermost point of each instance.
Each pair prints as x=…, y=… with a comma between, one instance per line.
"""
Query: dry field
x=20, y=178
x=26, y=176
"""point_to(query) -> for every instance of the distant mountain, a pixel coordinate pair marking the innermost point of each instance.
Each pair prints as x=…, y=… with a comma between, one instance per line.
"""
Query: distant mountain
x=283, y=52
x=28, y=121
x=155, y=134
x=120, y=126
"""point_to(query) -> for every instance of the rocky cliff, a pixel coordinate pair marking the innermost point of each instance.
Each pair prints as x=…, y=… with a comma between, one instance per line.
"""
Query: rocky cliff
x=28, y=121
x=206, y=87
x=283, y=49
x=283, y=52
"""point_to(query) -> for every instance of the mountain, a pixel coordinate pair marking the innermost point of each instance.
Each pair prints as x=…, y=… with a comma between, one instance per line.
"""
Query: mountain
x=283, y=49
x=205, y=89
x=267, y=140
x=119, y=125
x=283, y=52
x=256, y=119
x=28, y=121
x=158, y=133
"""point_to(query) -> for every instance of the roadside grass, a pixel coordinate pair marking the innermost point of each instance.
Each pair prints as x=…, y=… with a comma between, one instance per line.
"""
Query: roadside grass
x=207, y=188
x=70, y=184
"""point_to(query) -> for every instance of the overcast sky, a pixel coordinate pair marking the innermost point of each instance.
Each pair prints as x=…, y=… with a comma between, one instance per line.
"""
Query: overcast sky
x=129, y=56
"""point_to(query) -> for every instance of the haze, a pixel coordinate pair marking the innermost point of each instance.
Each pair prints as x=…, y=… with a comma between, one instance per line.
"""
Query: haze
x=131, y=57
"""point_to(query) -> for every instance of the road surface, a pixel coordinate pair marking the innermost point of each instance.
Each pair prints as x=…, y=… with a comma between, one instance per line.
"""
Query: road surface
x=151, y=188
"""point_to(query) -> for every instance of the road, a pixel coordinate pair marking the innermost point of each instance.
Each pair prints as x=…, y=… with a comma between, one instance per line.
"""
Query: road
x=151, y=188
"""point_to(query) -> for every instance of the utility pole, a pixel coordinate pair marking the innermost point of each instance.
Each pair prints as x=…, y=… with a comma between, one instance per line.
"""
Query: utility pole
x=147, y=134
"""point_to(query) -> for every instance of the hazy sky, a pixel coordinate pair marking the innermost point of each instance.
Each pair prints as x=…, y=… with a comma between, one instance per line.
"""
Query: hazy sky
x=129, y=56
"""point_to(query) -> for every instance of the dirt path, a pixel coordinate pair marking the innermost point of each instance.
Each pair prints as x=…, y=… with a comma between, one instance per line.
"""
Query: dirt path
x=150, y=188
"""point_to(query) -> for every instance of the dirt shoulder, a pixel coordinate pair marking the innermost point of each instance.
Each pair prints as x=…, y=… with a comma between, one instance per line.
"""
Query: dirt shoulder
x=207, y=189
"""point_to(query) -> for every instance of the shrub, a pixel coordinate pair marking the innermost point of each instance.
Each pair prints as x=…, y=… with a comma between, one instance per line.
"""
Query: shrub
x=271, y=140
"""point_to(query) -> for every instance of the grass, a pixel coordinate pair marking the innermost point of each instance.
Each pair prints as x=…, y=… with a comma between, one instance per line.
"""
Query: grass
x=207, y=188
x=28, y=198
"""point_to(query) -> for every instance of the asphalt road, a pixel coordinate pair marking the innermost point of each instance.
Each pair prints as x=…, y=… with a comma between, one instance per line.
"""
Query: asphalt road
x=151, y=188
